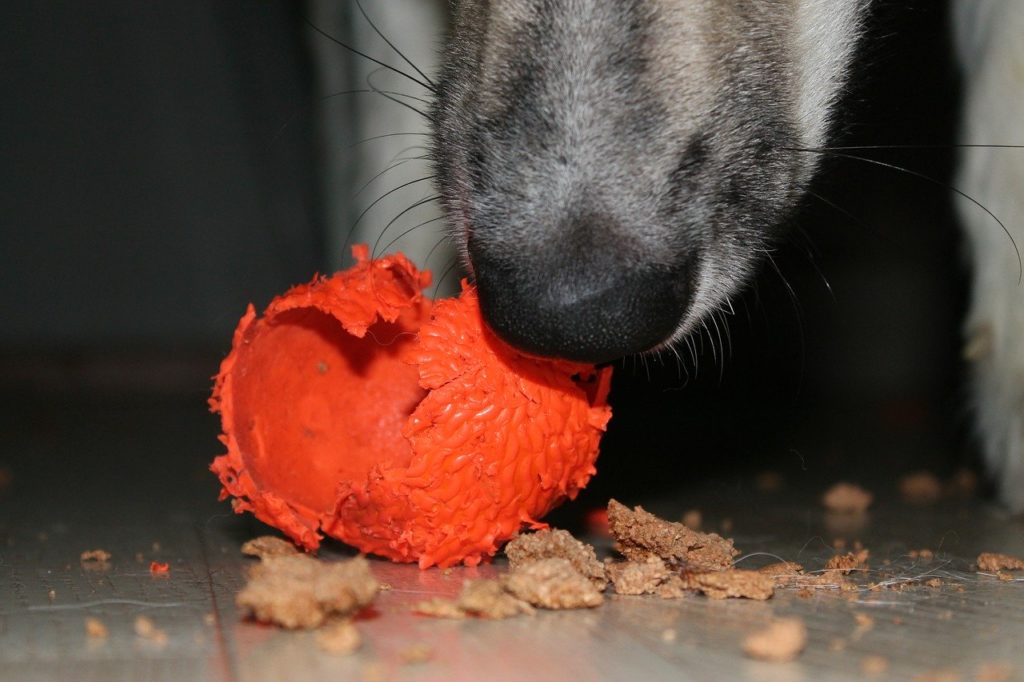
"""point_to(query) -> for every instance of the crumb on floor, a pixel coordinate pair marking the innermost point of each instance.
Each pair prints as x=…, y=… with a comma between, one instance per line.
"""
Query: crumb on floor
x=733, y=583
x=847, y=498
x=96, y=628
x=784, y=573
x=340, y=637
x=268, y=545
x=553, y=584
x=417, y=653
x=783, y=640
x=298, y=591
x=482, y=598
x=94, y=557
x=490, y=599
x=639, y=534
x=548, y=544
x=874, y=665
x=146, y=629
x=849, y=562
x=650, y=576
x=920, y=488
x=993, y=562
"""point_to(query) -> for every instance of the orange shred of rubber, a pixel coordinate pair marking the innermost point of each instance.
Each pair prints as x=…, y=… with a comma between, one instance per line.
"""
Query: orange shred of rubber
x=357, y=408
x=159, y=568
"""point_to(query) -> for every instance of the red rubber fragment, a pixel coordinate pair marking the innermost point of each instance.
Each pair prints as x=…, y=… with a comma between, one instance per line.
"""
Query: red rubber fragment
x=356, y=408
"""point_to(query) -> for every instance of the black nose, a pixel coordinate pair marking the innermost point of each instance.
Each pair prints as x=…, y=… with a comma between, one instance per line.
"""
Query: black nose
x=589, y=307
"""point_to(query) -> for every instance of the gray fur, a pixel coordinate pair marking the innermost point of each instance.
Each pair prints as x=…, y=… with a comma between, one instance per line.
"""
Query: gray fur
x=614, y=169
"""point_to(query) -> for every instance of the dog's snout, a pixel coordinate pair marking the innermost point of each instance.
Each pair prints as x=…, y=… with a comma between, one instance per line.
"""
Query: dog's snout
x=587, y=307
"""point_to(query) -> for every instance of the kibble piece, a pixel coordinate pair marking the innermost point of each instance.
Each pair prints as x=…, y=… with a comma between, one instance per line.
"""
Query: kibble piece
x=146, y=629
x=95, y=628
x=920, y=488
x=299, y=591
x=784, y=573
x=640, y=577
x=783, y=640
x=849, y=562
x=993, y=562
x=553, y=584
x=548, y=544
x=847, y=498
x=734, y=583
x=440, y=608
x=640, y=534
x=340, y=638
x=490, y=599
x=268, y=545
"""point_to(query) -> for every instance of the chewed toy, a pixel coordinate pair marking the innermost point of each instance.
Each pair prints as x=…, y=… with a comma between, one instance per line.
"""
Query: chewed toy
x=357, y=408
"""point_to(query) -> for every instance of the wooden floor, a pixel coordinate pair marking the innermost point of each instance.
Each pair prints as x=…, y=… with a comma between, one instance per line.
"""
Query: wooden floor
x=131, y=479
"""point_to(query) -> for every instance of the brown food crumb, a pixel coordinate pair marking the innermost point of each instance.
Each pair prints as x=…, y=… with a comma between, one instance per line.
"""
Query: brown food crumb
x=782, y=572
x=298, y=591
x=95, y=559
x=827, y=580
x=992, y=562
x=639, y=534
x=548, y=544
x=731, y=583
x=963, y=484
x=490, y=599
x=340, y=637
x=693, y=519
x=147, y=630
x=1005, y=577
x=553, y=584
x=643, y=577
x=95, y=628
x=920, y=488
x=480, y=598
x=847, y=563
x=922, y=554
x=994, y=672
x=864, y=621
x=933, y=582
x=268, y=545
x=874, y=665
x=439, y=608
x=781, y=641
x=417, y=653
x=51, y=595
x=847, y=498
x=768, y=482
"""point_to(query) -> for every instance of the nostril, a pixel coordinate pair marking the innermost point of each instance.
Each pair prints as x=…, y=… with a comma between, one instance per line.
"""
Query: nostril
x=589, y=316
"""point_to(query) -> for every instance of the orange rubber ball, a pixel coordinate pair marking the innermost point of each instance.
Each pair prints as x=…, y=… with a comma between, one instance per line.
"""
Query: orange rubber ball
x=357, y=408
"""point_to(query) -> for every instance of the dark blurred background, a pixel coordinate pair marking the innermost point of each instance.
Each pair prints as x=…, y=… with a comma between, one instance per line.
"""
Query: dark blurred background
x=164, y=165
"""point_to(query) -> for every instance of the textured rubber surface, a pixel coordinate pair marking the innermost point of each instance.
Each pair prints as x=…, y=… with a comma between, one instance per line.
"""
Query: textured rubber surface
x=356, y=408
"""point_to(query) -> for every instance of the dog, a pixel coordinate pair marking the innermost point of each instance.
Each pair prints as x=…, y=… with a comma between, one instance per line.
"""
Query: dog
x=614, y=171
x=989, y=46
